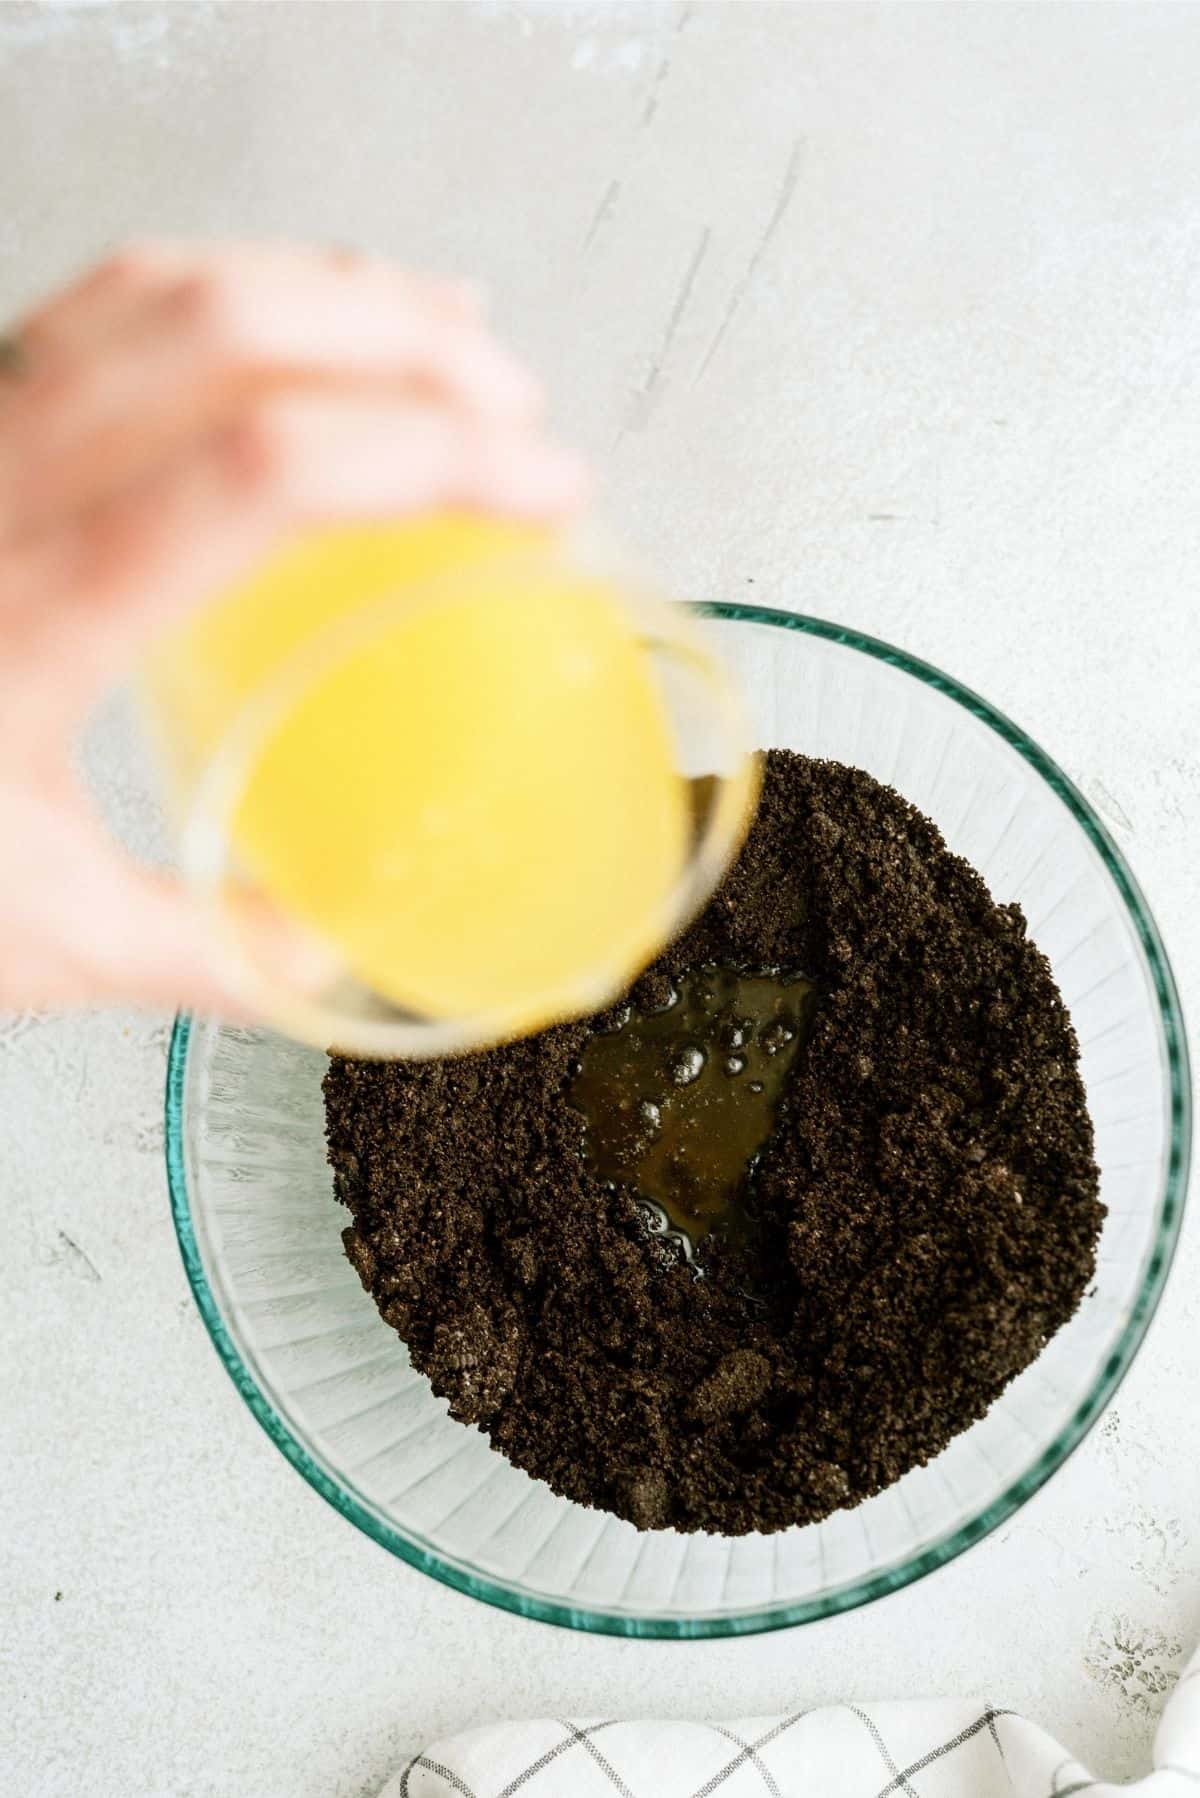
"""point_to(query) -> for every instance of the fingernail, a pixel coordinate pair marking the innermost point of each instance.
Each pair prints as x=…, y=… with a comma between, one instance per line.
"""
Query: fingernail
x=557, y=481
x=494, y=381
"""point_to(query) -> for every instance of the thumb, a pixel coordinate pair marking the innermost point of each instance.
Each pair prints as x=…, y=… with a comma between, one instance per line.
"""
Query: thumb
x=152, y=944
x=83, y=923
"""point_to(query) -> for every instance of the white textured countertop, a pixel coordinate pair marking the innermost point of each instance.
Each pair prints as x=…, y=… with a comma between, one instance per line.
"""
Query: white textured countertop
x=890, y=314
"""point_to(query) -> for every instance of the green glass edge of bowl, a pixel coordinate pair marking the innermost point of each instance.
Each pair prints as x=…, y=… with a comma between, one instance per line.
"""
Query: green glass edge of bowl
x=939, y=1553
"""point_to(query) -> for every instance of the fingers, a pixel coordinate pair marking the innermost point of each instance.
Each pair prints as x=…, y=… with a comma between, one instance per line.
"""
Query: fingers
x=81, y=601
x=152, y=352
x=85, y=314
x=311, y=457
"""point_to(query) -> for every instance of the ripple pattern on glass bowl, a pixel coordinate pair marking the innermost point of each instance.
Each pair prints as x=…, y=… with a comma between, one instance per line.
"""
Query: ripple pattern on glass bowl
x=260, y=1230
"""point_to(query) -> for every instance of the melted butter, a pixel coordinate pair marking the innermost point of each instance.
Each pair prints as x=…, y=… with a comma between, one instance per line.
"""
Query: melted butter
x=678, y=1102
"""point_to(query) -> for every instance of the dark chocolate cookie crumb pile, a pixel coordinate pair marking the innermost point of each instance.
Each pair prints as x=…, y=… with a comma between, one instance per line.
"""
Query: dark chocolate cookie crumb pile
x=926, y=1212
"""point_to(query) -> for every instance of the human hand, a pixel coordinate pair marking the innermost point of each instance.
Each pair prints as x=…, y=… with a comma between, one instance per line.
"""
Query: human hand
x=163, y=425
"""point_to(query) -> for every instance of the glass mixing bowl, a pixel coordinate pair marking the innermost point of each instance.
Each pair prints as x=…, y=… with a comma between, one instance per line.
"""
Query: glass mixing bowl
x=333, y=1386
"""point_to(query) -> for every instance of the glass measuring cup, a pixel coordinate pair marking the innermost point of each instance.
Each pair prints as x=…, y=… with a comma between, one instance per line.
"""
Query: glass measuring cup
x=443, y=783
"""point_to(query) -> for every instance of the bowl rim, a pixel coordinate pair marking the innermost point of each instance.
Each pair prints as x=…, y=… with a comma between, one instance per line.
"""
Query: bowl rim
x=954, y=1542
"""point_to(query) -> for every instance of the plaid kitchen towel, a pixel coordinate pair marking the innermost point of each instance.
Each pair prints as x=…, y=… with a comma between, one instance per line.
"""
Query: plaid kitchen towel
x=941, y=1748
